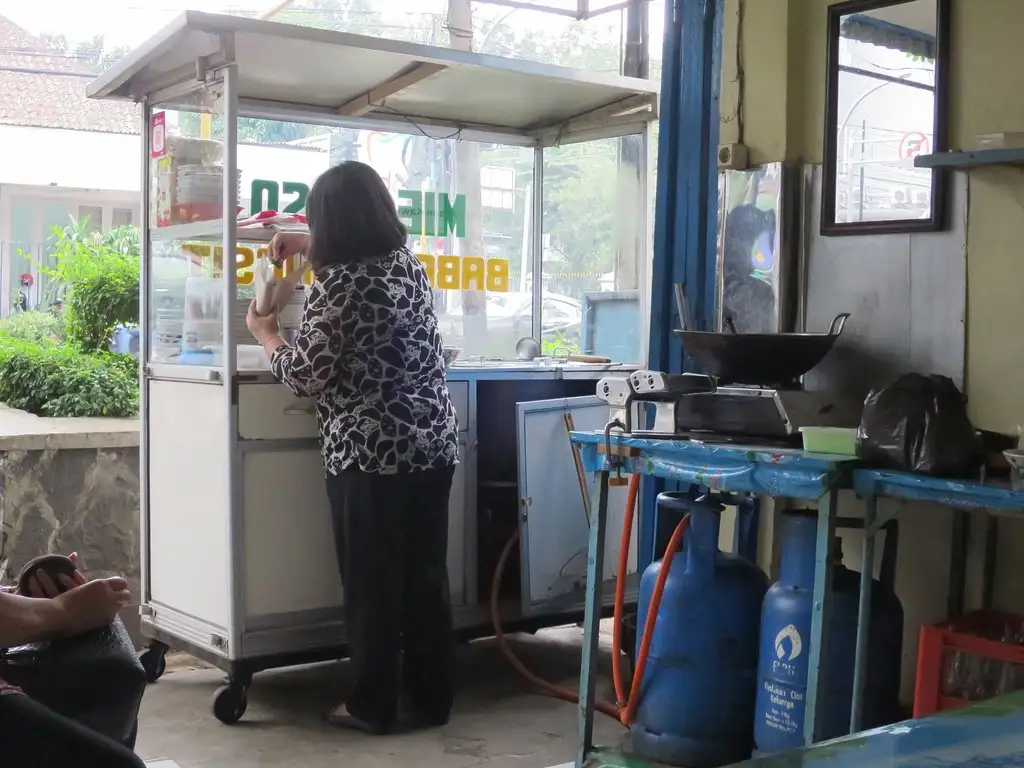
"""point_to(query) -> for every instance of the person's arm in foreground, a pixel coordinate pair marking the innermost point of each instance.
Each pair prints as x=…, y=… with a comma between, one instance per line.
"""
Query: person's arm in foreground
x=88, y=606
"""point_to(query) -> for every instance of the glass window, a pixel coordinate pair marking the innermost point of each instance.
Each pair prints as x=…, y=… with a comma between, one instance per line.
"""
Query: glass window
x=886, y=108
x=595, y=251
x=186, y=288
x=92, y=216
x=517, y=33
x=121, y=217
x=473, y=238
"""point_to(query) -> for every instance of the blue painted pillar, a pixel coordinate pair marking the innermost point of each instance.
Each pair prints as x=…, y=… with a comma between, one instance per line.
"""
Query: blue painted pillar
x=687, y=193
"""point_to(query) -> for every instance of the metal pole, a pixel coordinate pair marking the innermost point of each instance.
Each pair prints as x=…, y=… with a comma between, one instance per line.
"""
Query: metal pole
x=867, y=571
x=862, y=175
x=145, y=340
x=275, y=9
x=957, y=564
x=229, y=351
x=591, y=622
x=537, y=289
x=822, y=609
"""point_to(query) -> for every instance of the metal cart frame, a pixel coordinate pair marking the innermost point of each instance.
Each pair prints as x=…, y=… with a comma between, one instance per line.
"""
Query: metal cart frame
x=282, y=72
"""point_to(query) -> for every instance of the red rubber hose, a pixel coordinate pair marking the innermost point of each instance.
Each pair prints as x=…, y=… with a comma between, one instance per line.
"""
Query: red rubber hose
x=625, y=708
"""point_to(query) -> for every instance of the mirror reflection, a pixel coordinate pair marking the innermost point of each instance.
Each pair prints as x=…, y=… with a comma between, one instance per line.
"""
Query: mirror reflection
x=884, y=109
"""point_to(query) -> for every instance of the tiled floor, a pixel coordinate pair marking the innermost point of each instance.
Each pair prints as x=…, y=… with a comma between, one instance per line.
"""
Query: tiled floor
x=498, y=721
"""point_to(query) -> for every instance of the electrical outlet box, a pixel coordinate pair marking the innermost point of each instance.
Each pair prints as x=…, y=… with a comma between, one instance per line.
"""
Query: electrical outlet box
x=732, y=157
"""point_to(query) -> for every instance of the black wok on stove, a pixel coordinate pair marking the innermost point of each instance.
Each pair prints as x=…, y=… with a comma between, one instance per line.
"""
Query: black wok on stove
x=759, y=358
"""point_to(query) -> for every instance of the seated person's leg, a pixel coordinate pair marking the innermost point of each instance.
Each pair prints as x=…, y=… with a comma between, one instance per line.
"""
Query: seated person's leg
x=94, y=679
x=93, y=675
x=32, y=735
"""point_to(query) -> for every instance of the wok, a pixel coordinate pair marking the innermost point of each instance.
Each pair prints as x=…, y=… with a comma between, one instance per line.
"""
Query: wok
x=759, y=358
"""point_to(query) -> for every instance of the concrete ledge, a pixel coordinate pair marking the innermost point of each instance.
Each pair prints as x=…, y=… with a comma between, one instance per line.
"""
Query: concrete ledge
x=20, y=431
x=72, y=499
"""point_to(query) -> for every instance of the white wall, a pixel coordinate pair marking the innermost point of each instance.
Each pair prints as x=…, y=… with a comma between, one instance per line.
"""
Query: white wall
x=110, y=161
x=27, y=214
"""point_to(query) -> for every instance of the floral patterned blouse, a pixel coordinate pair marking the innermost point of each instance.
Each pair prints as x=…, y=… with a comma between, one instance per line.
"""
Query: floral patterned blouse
x=369, y=351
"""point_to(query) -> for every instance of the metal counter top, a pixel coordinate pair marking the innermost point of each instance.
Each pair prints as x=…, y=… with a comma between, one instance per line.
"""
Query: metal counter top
x=474, y=371
x=987, y=735
x=766, y=471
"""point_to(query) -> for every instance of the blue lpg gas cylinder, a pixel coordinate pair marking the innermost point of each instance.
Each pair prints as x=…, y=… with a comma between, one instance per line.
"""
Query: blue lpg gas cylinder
x=785, y=644
x=698, y=689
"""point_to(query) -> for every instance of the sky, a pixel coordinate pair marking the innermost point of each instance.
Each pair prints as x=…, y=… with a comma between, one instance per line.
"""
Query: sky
x=130, y=22
x=122, y=22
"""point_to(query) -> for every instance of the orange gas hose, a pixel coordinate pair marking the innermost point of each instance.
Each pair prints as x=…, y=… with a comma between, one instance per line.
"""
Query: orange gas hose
x=625, y=708
x=550, y=689
x=628, y=713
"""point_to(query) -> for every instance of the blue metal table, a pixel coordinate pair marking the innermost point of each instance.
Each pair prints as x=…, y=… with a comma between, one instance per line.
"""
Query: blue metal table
x=752, y=470
x=987, y=735
x=870, y=485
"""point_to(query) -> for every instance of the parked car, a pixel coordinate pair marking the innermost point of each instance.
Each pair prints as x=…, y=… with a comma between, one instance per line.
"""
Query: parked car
x=510, y=316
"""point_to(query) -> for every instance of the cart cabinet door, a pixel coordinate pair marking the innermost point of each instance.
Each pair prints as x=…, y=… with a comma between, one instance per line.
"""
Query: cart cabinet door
x=554, y=524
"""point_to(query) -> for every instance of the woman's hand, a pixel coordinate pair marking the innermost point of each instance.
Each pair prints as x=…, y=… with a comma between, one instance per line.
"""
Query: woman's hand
x=263, y=328
x=288, y=244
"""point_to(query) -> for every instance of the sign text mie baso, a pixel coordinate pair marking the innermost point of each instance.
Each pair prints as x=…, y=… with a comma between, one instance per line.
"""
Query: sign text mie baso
x=426, y=214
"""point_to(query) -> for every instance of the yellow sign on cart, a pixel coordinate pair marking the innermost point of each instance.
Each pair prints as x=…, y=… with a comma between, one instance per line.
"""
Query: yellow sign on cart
x=446, y=273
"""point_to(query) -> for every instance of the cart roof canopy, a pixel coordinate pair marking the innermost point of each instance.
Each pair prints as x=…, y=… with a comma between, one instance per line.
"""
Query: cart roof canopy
x=303, y=74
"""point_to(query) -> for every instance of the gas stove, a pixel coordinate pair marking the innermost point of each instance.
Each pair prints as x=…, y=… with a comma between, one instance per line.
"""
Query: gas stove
x=654, y=404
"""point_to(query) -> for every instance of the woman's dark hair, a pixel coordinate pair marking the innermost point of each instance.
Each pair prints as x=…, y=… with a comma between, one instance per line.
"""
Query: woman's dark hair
x=352, y=217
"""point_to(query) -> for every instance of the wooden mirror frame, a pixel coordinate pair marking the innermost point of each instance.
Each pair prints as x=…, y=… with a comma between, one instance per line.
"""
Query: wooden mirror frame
x=940, y=177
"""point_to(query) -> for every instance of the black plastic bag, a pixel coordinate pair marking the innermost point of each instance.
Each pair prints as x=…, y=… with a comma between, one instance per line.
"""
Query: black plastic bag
x=919, y=424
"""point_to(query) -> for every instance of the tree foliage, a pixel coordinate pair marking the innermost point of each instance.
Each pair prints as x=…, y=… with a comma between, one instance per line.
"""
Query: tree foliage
x=101, y=275
x=92, y=54
x=50, y=379
x=580, y=179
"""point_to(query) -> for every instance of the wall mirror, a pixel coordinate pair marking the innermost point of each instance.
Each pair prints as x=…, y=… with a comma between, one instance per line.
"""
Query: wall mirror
x=886, y=97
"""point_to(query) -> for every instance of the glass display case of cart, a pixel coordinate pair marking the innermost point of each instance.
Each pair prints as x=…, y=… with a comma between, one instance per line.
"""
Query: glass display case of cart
x=477, y=241
x=186, y=298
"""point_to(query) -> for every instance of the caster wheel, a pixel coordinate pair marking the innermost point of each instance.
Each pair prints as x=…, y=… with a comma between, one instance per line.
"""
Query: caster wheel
x=154, y=662
x=229, y=703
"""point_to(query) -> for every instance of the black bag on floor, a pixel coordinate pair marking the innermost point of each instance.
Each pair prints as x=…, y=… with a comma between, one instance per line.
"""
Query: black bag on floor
x=919, y=424
x=94, y=678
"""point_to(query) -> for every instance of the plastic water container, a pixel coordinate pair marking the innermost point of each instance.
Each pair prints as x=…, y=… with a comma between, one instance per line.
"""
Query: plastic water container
x=125, y=340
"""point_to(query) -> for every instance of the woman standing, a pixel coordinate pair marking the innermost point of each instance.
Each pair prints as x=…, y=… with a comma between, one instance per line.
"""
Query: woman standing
x=369, y=351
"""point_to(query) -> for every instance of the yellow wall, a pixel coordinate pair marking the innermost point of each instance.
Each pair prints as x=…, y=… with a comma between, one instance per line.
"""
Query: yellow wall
x=782, y=93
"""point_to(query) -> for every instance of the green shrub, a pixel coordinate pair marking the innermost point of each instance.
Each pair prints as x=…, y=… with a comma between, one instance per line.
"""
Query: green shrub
x=34, y=326
x=50, y=379
x=101, y=277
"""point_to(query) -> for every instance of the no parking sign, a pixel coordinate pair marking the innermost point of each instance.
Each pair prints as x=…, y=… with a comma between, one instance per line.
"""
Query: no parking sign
x=913, y=144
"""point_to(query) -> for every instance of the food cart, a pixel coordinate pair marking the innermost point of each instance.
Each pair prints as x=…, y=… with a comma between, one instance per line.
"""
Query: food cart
x=237, y=557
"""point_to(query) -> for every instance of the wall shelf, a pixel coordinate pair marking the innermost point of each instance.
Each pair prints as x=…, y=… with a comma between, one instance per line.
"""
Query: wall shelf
x=972, y=159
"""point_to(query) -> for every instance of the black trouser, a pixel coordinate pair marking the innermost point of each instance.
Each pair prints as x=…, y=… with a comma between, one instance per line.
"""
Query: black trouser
x=34, y=736
x=94, y=679
x=391, y=533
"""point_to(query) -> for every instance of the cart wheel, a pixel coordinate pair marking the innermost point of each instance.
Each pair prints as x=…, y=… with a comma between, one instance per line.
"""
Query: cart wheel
x=229, y=703
x=154, y=662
